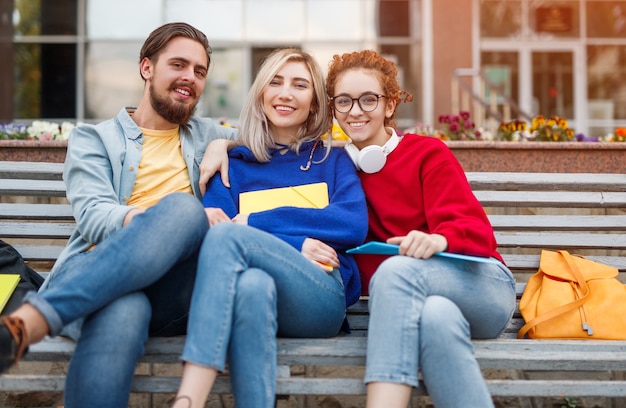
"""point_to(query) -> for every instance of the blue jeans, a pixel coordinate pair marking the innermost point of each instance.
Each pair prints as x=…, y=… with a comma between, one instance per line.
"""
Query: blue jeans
x=251, y=287
x=136, y=282
x=423, y=314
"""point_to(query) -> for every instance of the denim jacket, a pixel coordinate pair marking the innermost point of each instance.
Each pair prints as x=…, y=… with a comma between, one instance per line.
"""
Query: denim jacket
x=100, y=170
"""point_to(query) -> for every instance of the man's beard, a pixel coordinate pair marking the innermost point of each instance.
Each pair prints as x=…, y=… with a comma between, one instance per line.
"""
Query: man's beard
x=173, y=112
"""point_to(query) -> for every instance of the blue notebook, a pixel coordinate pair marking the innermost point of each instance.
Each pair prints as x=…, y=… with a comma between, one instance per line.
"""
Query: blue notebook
x=382, y=248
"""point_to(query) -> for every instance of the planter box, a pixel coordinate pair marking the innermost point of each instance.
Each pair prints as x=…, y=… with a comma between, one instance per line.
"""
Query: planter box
x=33, y=150
x=535, y=157
x=541, y=157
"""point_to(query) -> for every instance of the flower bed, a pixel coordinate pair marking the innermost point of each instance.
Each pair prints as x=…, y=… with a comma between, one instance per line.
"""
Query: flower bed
x=460, y=127
x=38, y=130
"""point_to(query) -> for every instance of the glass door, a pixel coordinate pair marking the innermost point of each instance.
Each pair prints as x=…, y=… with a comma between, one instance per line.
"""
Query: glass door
x=543, y=79
x=553, y=84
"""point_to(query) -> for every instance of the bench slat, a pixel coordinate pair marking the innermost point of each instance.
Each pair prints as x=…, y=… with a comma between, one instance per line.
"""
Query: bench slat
x=37, y=188
x=551, y=199
x=39, y=252
x=23, y=211
x=559, y=222
x=36, y=229
x=546, y=181
x=550, y=239
x=31, y=170
x=337, y=386
x=516, y=261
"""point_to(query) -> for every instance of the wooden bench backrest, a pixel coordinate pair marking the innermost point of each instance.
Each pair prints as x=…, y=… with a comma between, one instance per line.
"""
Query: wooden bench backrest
x=583, y=213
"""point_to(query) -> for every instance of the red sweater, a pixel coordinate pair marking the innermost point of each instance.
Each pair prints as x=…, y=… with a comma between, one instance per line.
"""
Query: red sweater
x=423, y=187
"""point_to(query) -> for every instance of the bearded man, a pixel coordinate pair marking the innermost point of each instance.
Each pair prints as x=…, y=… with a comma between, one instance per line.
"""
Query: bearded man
x=128, y=270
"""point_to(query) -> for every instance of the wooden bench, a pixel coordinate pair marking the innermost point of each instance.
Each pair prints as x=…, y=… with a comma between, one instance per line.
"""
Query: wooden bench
x=583, y=213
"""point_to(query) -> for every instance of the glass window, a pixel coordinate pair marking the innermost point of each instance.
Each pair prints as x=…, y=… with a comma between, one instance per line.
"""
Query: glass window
x=409, y=65
x=218, y=19
x=27, y=59
x=112, y=78
x=225, y=87
x=501, y=69
x=499, y=60
x=122, y=19
x=553, y=83
x=45, y=81
x=606, y=67
x=325, y=25
x=500, y=18
x=606, y=19
x=275, y=20
x=44, y=75
x=37, y=17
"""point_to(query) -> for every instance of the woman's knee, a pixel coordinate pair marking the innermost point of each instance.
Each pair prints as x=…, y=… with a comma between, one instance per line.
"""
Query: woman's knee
x=255, y=289
x=441, y=317
x=255, y=304
x=394, y=272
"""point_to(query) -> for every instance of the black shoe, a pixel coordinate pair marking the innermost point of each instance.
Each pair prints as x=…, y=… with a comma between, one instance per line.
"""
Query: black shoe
x=13, y=341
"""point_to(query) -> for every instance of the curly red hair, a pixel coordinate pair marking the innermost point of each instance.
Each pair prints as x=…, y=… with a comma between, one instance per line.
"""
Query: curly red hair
x=368, y=60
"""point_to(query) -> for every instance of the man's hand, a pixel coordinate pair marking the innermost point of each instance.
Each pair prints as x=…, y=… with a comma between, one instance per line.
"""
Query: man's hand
x=419, y=244
x=215, y=160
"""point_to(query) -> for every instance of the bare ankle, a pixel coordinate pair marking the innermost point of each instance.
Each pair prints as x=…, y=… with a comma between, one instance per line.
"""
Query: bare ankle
x=34, y=322
x=182, y=401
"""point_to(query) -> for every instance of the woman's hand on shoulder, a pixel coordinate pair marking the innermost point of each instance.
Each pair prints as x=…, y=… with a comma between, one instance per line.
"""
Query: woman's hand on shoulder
x=419, y=244
x=320, y=253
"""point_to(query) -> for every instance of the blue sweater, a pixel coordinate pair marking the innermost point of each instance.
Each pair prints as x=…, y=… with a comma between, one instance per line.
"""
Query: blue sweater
x=342, y=224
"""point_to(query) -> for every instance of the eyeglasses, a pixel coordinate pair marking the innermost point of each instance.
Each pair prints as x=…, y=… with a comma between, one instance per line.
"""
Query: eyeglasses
x=367, y=102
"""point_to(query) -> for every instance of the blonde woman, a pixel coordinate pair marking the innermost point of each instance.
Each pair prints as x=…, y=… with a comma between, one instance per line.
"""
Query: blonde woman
x=280, y=271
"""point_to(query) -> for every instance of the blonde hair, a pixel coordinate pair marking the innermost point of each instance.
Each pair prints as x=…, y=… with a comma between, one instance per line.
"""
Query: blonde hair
x=253, y=124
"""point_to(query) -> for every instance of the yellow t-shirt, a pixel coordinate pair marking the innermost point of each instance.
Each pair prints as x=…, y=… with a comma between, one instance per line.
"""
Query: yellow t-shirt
x=162, y=169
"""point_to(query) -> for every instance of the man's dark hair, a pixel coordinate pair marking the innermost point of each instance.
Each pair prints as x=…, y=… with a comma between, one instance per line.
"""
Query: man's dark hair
x=159, y=38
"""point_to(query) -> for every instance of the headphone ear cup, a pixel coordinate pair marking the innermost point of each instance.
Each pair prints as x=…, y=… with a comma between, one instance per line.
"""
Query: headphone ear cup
x=353, y=152
x=372, y=159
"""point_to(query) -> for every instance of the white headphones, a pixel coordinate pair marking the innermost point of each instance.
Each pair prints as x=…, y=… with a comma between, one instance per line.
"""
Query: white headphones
x=372, y=158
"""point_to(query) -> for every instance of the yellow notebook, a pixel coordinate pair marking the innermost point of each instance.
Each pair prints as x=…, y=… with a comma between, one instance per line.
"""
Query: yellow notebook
x=304, y=196
x=8, y=283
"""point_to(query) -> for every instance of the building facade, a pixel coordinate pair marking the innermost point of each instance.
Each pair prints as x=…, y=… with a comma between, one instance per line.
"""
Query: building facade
x=77, y=59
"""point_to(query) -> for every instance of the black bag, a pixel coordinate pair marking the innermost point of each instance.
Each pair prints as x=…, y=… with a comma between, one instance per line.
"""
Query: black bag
x=11, y=262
